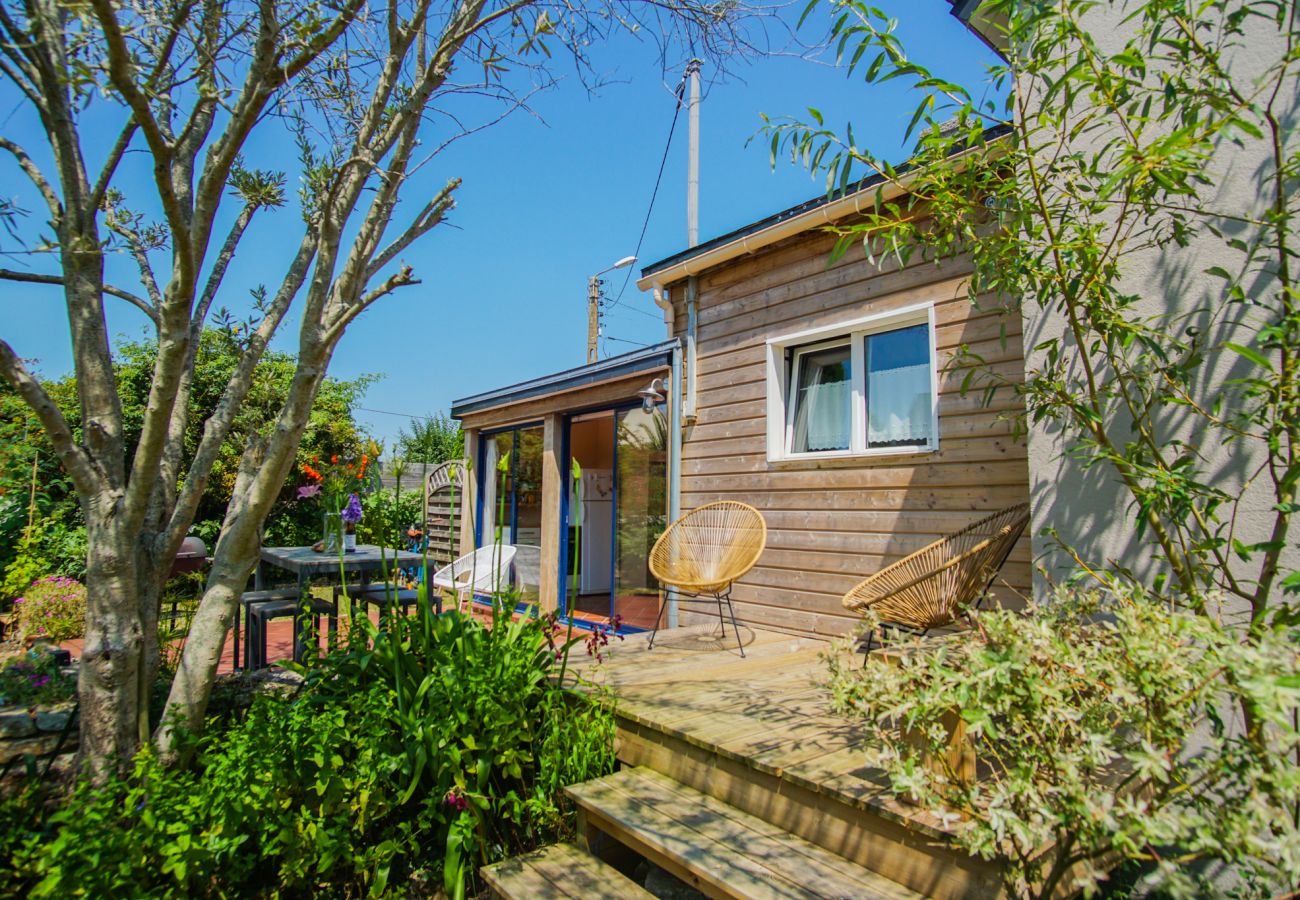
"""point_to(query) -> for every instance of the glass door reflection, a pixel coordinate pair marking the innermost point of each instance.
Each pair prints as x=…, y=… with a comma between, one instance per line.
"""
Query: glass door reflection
x=640, y=513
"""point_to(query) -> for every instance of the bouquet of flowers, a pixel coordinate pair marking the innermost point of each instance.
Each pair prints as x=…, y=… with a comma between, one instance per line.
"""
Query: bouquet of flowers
x=338, y=485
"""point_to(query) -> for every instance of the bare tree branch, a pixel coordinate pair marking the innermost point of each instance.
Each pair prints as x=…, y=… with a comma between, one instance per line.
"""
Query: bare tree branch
x=219, y=267
x=10, y=48
x=75, y=459
x=33, y=172
x=429, y=217
x=33, y=278
x=20, y=81
x=217, y=428
x=136, y=248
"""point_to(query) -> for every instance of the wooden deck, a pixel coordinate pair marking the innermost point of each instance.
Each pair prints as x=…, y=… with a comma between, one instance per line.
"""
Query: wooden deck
x=758, y=733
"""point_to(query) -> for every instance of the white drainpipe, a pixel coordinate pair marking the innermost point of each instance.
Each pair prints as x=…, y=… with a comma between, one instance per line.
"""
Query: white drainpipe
x=675, y=463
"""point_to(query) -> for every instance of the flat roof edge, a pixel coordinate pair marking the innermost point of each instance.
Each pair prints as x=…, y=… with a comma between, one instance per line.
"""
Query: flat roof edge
x=623, y=365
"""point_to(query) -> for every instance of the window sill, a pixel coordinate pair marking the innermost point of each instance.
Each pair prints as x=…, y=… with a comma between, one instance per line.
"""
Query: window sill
x=849, y=457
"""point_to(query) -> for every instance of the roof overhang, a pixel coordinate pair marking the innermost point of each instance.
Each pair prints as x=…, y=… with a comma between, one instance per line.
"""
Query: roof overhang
x=988, y=28
x=795, y=220
x=652, y=358
x=858, y=199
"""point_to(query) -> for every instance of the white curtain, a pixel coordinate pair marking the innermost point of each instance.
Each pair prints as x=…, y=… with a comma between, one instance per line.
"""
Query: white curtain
x=822, y=418
x=490, y=493
x=898, y=405
x=827, y=408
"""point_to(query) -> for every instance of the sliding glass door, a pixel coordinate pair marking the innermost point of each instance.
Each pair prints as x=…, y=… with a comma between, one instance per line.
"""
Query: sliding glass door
x=640, y=513
x=615, y=514
x=510, y=499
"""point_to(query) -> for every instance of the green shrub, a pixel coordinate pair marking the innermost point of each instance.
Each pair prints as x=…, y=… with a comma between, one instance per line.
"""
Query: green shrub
x=1081, y=713
x=443, y=746
x=53, y=607
x=483, y=724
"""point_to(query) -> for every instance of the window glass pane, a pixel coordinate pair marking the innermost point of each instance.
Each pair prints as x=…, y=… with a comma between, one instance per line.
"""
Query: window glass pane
x=898, y=387
x=822, y=411
x=497, y=486
x=527, y=536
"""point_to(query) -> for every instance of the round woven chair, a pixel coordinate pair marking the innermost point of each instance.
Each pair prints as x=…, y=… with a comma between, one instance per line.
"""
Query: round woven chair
x=705, y=551
x=939, y=583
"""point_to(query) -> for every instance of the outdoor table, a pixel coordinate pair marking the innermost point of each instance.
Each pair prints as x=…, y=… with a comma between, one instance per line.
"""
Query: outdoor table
x=306, y=562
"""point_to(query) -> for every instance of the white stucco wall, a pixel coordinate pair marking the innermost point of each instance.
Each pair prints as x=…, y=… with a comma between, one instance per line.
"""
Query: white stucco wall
x=1090, y=508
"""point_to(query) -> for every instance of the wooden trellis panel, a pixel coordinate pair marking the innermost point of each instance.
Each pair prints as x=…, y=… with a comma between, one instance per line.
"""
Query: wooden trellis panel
x=442, y=522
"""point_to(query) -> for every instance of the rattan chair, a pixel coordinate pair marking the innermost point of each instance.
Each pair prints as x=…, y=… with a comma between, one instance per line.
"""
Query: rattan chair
x=703, y=553
x=939, y=583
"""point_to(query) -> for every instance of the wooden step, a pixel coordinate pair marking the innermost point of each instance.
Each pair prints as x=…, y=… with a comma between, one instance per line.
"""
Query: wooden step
x=718, y=849
x=559, y=871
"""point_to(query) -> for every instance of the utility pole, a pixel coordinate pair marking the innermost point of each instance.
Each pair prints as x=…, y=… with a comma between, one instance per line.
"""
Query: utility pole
x=693, y=157
x=593, y=305
x=593, y=316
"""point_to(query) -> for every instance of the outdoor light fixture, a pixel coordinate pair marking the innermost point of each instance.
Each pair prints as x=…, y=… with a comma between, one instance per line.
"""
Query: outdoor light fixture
x=652, y=395
x=593, y=305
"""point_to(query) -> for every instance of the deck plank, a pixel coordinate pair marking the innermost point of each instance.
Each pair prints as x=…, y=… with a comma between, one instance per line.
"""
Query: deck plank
x=560, y=872
x=731, y=851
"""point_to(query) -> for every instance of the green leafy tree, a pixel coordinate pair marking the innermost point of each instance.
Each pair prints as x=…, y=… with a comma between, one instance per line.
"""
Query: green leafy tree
x=40, y=519
x=432, y=441
x=55, y=542
x=1164, y=357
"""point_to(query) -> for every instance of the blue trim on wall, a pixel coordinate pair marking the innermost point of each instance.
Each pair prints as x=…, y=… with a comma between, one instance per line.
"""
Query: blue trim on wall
x=566, y=472
x=613, y=517
x=514, y=488
x=478, y=501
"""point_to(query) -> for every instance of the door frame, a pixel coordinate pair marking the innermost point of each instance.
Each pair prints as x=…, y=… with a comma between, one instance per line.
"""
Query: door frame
x=481, y=462
x=566, y=476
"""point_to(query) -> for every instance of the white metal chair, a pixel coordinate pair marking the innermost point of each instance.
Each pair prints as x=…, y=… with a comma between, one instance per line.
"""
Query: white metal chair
x=484, y=570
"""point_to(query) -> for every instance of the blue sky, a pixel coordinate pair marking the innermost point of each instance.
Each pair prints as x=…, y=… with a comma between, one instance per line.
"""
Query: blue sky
x=547, y=200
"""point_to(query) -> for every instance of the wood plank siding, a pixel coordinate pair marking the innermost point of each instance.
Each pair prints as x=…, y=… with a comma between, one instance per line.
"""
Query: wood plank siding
x=832, y=523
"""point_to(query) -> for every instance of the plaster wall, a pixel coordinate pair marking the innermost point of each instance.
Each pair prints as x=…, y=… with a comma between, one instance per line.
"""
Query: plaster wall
x=1090, y=508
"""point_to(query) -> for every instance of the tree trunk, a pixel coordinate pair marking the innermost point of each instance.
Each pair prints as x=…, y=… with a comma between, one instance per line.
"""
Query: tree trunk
x=263, y=470
x=109, y=685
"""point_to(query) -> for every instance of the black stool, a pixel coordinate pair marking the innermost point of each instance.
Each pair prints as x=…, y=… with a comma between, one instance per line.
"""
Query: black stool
x=261, y=607
x=385, y=596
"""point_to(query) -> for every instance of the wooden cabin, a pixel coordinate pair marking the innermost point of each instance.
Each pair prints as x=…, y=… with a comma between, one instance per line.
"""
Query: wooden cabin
x=820, y=393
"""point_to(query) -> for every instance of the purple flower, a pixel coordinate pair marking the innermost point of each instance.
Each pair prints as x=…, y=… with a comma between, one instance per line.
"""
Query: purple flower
x=308, y=490
x=352, y=512
x=453, y=799
x=40, y=680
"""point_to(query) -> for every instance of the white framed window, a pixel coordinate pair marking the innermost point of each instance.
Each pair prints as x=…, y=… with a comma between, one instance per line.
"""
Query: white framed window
x=865, y=387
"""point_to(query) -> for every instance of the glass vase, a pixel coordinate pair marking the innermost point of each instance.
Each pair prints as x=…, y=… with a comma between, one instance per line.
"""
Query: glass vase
x=332, y=532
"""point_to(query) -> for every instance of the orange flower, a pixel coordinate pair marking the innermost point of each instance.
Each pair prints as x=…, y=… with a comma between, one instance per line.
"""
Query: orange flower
x=311, y=473
x=361, y=473
x=334, y=460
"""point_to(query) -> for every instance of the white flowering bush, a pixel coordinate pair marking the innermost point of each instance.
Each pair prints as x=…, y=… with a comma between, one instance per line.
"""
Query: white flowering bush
x=1104, y=730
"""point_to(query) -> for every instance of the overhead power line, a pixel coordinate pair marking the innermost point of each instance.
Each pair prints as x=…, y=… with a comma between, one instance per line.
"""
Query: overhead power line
x=663, y=162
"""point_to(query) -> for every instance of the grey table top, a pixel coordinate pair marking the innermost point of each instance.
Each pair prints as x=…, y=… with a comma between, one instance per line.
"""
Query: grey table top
x=367, y=556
